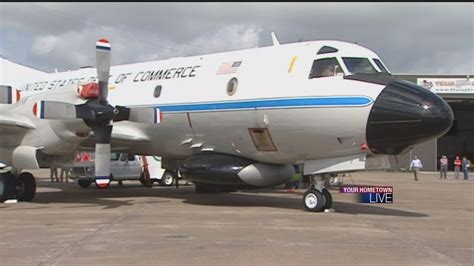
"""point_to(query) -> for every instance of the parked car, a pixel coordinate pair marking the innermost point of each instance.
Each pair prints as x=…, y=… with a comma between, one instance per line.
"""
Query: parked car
x=125, y=166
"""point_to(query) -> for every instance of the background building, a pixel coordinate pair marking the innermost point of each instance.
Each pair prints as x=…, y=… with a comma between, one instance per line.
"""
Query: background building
x=458, y=91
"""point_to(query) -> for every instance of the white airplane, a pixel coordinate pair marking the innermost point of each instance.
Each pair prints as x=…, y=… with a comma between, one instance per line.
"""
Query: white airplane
x=227, y=121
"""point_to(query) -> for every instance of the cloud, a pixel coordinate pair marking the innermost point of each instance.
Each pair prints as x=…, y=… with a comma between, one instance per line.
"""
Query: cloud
x=410, y=37
x=74, y=49
x=44, y=45
x=232, y=37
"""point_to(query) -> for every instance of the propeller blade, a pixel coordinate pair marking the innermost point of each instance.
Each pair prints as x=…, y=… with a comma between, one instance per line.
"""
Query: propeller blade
x=103, y=49
x=102, y=135
x=54, y=110
x=8, y=95
x=144, y=115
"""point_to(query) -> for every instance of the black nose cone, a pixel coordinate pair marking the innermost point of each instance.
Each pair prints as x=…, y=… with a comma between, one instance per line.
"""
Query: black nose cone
x=405, y=114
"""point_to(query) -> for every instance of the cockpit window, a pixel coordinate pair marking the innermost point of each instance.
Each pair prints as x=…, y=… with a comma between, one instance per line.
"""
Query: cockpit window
x=327, y=50
x=380, y=65
x=358, y=65
x=325, y=67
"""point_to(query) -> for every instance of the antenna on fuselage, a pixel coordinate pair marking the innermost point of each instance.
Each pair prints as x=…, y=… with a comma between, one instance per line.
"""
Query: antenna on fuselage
x=275, y=40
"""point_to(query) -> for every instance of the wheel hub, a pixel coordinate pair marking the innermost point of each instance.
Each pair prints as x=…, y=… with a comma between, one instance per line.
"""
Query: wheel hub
x=168, y=180
x=311, y=201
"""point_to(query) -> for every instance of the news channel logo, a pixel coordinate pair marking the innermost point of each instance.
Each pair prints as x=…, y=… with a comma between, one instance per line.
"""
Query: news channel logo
x=370, y=194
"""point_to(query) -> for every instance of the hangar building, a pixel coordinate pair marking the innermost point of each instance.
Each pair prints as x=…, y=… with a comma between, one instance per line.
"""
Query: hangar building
x=458, y=91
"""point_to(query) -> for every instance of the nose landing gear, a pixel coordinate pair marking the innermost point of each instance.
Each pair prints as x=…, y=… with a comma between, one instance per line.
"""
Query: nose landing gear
x=317, y=198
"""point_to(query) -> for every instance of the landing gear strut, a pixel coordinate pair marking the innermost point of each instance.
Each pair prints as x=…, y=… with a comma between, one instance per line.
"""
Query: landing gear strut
x=21, y=187
x=317, y=198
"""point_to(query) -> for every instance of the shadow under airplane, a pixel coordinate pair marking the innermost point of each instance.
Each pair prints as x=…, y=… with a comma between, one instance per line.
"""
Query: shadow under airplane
x=117, y=196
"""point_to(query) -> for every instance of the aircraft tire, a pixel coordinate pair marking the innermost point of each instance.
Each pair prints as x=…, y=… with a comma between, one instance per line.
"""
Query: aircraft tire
x=84, y=183
x=167, y=179
x=313, y=201
x=26, y=187
x=328, y=198
x=3, y=187
x=7, y=186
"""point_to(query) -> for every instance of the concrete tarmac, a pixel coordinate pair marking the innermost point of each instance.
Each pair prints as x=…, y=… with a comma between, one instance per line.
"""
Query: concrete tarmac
x=431, y=222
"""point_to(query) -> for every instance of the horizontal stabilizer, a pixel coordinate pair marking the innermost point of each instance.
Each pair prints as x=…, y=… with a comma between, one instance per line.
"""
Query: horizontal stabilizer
x=54, y=110
x=8, y=95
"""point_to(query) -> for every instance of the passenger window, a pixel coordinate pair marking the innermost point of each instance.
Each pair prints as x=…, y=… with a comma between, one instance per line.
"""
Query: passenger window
x=157, y=91
x=325, y=67
x=131, y=157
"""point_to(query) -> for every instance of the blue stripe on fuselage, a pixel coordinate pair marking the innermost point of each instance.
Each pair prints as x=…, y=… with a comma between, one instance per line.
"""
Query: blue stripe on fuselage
x=347, y=101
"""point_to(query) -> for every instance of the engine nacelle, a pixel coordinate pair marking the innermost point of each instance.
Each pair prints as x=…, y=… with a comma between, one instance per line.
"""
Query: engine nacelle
x=232, y=172
x=25, y=157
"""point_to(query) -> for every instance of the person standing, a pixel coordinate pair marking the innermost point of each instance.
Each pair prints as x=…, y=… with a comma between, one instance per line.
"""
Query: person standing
x=457, y=167
x=416, y=165
x=465, y=167
x=65, y=173
x=296, y=178
x=443, y=168
x=53, y=173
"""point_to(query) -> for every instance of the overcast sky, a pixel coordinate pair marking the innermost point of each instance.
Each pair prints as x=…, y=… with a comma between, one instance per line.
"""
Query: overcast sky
x=409, y=37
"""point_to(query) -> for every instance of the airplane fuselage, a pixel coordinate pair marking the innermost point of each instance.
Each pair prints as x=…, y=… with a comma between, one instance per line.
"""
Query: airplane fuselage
x=262, y=104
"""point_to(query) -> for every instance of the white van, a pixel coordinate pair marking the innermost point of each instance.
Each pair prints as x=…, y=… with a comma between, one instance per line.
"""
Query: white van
x=125, y=166
x=152, y=164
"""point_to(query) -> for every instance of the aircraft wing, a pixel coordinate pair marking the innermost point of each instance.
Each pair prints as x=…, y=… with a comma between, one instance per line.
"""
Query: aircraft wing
x=128, y=133
x=15, y=123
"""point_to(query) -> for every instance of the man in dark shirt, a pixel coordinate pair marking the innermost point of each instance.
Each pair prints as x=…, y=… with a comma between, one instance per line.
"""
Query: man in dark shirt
x=465, y=166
